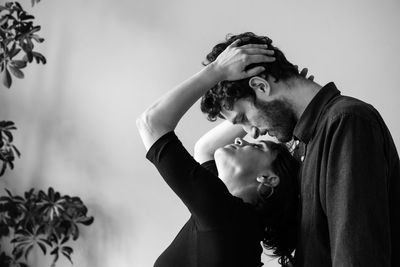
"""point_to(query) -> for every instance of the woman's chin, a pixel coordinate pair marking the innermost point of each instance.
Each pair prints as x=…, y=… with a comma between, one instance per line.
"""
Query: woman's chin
x=223, y=155
x=226, y=150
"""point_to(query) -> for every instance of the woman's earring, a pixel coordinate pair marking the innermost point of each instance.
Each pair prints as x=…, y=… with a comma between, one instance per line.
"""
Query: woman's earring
x=265, y=194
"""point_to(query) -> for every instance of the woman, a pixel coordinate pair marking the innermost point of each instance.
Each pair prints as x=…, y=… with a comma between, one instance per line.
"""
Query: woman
x=240, y=195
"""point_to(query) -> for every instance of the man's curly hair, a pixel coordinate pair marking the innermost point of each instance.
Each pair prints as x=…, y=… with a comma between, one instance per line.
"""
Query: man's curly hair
x=225, y=93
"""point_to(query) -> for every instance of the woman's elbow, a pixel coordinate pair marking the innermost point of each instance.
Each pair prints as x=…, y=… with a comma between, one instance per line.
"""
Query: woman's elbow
x=202, y=150
x=141, y=121
x=146, y=119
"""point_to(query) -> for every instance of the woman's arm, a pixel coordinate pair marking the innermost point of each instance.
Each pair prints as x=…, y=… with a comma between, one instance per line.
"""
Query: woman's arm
x=219, y=136
x=163, y=116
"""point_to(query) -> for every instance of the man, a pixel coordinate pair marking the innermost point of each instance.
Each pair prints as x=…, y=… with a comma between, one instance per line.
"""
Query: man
x=350, y=179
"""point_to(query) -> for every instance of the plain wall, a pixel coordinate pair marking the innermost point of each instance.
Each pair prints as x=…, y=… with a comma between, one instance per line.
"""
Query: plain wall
x=109, y=60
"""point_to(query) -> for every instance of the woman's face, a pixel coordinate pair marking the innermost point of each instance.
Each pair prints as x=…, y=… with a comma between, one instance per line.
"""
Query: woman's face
x=239, y=164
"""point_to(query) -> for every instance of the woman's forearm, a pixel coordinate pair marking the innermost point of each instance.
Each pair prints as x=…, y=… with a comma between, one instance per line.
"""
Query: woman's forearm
x=219, y=136
x=163, y=115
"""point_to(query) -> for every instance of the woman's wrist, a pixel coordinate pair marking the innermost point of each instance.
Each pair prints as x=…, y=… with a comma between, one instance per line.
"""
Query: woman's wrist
x=215, y=72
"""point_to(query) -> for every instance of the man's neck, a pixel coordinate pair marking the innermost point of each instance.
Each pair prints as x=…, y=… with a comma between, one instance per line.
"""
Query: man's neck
x=300, y=94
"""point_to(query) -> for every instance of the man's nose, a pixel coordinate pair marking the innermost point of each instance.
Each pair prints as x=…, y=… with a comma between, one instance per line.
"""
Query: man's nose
x=253, y=131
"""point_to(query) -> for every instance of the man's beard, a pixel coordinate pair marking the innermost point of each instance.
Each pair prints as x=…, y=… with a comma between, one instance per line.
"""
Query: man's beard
x=280, y=118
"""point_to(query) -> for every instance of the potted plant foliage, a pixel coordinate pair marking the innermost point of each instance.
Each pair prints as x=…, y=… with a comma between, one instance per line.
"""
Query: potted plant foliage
x=47, y=220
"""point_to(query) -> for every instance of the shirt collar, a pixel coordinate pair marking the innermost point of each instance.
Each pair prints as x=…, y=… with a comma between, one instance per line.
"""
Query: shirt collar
x=308, y=121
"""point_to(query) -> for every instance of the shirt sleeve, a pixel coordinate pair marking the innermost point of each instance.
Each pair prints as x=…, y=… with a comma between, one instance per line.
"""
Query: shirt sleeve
x=210, y=166
x=356, y=200
x=204, y=194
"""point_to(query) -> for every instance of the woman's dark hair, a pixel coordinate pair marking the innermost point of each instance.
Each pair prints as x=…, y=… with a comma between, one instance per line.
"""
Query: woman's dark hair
x=279, y=211
x=226, y=93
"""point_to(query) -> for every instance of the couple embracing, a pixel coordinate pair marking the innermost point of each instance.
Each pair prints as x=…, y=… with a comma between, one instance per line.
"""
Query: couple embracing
x=330, y=198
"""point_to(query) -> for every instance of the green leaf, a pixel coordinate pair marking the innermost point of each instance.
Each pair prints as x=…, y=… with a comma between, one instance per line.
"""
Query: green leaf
x=46, y=241
x=7, y=81
x=26, y=17
x=10, y=164
x=6, y=124
x=20, y=64
x=28, y=250
x=86, y=220
x=8, y=192
x=3, y=168
x=14, y=51
x=74, y=232
x=9, y=136
x=16, y=72
x=3, y=21
x=39, y=57
x=35, y=29
x=55, y=238
x=68, y=250
x=18, y=253
x=35, y=2
x=55, y=253
x=68, y=257
x=19, y=239
x=42, y=247
x=37, y=38
x=29, y=193
x=65, y=239
x=16, y=151
x=18, y=6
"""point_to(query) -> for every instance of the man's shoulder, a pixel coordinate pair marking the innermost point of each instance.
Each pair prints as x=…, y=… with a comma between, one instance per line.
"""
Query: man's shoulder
x=346, y=106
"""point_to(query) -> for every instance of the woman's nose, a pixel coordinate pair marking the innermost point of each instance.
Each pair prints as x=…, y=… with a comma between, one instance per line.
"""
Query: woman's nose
x=239, y=141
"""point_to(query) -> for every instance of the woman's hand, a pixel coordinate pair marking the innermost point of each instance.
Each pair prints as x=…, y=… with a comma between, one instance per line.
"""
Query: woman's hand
x=304, y=73
x=231, y=63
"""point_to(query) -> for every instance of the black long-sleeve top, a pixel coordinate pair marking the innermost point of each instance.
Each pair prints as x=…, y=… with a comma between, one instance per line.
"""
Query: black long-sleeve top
x=350, y=185
x=222, y=230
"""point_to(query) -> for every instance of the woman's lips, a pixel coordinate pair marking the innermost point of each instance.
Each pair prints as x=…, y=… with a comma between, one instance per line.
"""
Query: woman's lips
x=233, y=146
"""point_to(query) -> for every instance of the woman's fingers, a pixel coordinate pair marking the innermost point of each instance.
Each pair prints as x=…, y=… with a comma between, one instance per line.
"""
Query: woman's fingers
x=263, y=46
x=259, y=51
x=304, y=72
x=234, y=43
x=254, y=71
x=251, y=59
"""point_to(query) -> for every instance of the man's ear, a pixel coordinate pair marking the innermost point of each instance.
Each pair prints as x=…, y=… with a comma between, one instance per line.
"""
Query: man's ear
x=271, y=180
x=260, y=85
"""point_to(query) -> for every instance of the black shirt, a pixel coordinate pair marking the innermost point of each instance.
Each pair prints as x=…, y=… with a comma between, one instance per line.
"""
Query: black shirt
x=222, y=230
x=350, y=185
